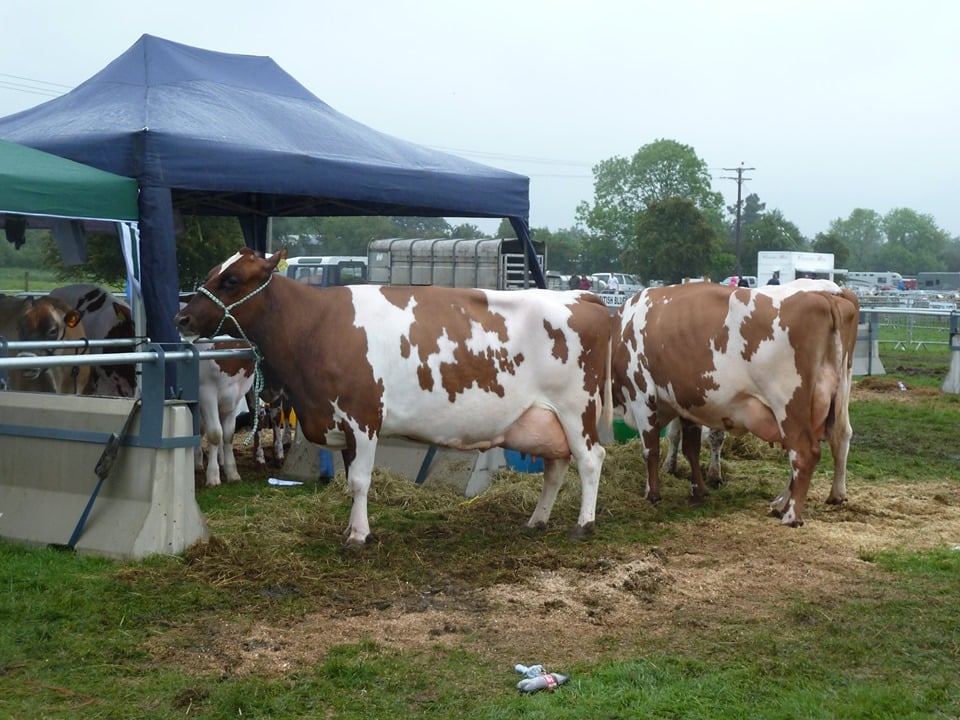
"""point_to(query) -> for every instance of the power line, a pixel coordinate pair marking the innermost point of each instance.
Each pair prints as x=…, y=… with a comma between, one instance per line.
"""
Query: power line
x=740, y=180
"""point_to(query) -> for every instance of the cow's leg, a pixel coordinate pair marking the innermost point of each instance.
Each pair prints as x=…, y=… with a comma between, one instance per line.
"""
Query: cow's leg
x=589, y=465
x=553, y=472
x=673, y=446
x=210, y=429
x=214, y=438
x=715, y=440
x=651, y=453
x=789, y=505
x=358, y=484
x=838, y=435
x=692, y=434
x=278, y=436
x=228, y=425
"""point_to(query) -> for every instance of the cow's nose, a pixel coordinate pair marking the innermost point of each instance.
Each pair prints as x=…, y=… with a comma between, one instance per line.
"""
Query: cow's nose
x=182, y=321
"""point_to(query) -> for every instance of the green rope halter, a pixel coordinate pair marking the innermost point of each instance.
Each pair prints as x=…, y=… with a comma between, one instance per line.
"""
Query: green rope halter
x=258, y=381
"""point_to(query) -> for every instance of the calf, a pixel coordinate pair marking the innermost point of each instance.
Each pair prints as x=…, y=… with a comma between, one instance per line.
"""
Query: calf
x=223, y=384
x=468, y=369
x=776, y=362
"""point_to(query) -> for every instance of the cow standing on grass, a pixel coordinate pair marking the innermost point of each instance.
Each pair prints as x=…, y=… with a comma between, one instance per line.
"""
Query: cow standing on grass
x=468, y=369
x=776, y=362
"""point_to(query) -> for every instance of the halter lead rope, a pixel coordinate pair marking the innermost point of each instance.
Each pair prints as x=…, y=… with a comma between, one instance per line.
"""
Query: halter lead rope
x=258, y=381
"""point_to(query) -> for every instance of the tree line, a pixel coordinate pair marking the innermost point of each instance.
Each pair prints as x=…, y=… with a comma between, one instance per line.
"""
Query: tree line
x=654, y=214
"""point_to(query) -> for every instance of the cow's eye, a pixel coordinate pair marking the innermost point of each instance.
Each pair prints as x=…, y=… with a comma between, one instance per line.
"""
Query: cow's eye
x=230, y=282
x=53, y=332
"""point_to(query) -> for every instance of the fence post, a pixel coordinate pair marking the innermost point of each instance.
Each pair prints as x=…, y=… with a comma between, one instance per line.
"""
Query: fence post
x=952, y=382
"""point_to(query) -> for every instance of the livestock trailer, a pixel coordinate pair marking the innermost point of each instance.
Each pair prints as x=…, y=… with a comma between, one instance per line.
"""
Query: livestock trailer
x=488, y=263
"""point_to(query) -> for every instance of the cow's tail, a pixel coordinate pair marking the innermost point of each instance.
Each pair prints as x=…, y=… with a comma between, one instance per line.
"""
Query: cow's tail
x=608, y=387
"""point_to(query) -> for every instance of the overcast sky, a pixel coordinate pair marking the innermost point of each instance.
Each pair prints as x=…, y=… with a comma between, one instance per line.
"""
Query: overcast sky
x=838, y=105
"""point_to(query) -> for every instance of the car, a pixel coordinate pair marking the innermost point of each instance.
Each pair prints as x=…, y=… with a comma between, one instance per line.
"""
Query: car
x=733, y=280
x=629, y=284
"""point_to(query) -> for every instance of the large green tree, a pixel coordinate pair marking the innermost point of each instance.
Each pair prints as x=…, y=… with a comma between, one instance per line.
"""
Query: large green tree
x=913, y=243
x=672, y=240
x=830, y=243
x=862, y=233
x=626, y=188
x=772, y=231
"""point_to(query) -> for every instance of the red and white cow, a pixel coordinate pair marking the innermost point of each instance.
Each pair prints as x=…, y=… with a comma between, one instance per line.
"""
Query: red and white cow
x=44, y=319
x=715, y=440
x=223, y=384
x=776, y=362
x=104, y=317
x=469, y=369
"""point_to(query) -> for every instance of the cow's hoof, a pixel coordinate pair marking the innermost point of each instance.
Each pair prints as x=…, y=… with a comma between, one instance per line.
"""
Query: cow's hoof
x=582, y=532
x=535, y=527
x=355, y=544
x=835, y=500
x=697, y=500
x=653, y=499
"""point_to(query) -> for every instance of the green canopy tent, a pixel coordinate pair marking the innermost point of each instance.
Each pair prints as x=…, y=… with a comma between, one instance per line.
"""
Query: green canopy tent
x=40, y=190
x=38, y=183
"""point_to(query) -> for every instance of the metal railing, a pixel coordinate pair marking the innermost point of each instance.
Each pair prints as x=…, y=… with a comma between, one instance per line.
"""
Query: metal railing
x=166, y=375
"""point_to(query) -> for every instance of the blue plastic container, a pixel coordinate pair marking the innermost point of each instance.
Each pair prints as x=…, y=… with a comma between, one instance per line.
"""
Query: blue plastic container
x=523, y=462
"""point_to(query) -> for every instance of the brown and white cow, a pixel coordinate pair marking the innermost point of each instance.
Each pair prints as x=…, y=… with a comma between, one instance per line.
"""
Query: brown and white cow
x=44, y=319
x=776, y=362
x=469, y=369
x=104, y=317
x=224, y=382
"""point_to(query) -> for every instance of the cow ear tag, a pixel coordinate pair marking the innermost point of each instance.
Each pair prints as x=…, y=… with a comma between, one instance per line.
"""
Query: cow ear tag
x=72, y=319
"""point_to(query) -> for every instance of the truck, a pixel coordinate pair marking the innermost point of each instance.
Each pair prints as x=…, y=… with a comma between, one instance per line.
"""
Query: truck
x=792, y=265
x=486, y=263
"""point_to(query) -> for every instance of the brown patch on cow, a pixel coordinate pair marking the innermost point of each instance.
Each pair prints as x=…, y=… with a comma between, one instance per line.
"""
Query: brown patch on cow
x=234, y=366
x=591, y=322
x=667, y=326
x=435, y=320
x=559, y=342
x=758, y=327
x=405, y=348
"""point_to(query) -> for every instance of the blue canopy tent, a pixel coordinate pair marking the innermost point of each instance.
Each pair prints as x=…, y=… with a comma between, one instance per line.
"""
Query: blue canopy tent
x=210, y=133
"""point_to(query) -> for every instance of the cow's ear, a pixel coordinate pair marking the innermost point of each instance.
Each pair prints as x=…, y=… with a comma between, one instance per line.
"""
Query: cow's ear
x=72, y=319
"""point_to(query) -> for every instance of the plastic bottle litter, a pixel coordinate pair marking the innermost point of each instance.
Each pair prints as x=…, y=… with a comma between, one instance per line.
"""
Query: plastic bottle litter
x=547, y=681
x=531, y=671
x=902, y=387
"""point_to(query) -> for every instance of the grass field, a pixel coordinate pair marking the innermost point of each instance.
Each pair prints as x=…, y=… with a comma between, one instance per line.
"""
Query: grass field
x=714, y=611
x=13, y=279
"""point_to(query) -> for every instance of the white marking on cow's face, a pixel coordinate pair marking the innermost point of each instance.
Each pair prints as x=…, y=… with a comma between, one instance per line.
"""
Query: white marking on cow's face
x=229, y=261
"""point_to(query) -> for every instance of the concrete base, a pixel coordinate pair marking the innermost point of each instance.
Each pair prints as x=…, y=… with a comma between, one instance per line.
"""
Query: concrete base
x=145, y=506
x=469, y=471
x=866, y=357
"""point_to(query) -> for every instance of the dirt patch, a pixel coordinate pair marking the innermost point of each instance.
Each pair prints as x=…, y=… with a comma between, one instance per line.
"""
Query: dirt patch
x=710, y=576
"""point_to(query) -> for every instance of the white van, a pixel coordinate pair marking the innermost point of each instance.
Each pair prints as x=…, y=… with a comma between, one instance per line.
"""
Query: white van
x=327, y=270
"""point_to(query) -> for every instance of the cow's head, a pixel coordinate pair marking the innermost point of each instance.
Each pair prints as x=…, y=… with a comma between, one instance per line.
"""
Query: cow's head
x=219, y=305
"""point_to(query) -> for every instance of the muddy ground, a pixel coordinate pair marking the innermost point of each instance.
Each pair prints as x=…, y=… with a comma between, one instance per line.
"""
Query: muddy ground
x=709, y=576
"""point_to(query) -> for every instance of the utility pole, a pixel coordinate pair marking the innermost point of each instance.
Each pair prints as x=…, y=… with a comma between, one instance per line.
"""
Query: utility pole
x=740, y=180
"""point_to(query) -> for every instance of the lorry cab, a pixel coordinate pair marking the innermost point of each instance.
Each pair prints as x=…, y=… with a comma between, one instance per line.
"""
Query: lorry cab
x=327, y=270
